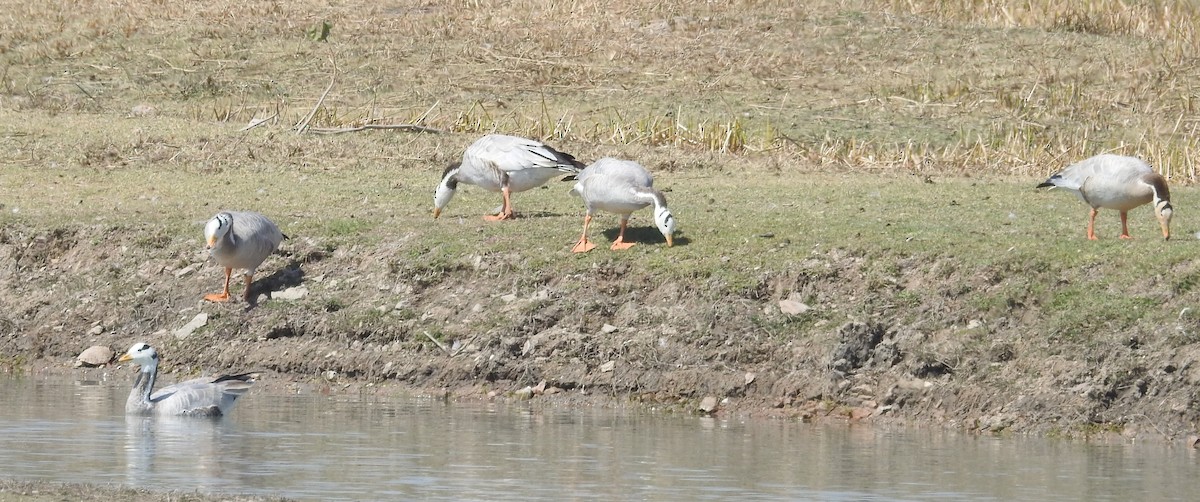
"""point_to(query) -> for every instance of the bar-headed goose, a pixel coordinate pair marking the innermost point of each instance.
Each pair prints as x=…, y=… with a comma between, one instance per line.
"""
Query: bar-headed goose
x=503, y=164
x=241, y=240
x=202, y=397
x=1116, y=182
x=621, y=187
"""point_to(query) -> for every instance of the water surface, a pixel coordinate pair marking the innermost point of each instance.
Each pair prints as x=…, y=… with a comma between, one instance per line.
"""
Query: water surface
x=319, y=447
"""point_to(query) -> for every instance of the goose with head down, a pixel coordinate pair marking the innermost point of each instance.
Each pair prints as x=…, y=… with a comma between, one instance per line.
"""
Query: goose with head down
x=204, y=397
x=1116, y=182
x=241, y=240
x=620, y=187
x=504, y=164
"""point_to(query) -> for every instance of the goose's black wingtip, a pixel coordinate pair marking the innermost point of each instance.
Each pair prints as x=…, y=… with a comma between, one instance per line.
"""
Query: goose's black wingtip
x=248, y=377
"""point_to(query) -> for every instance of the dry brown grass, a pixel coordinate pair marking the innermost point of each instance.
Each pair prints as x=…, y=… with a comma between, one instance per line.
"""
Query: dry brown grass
x=1011, y=87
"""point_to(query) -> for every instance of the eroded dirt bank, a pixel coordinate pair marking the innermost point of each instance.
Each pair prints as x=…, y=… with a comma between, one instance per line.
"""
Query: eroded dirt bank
x=914, y=350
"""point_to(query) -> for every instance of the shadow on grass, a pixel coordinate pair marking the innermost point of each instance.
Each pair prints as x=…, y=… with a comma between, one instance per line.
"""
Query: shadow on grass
x=517, y=215
x=540, y=214
x=287, y=277
x=644, y=235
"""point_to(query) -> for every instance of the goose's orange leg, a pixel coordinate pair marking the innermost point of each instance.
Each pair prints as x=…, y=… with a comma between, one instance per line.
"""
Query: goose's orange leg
x=1092, y=225
x=506, y=212
x=620, y=243
x=584, y=245
x=223, y=296
x=1125, y=225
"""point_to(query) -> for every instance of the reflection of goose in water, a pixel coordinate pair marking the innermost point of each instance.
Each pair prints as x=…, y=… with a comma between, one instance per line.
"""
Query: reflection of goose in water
x=201, y=397
x=193, y=451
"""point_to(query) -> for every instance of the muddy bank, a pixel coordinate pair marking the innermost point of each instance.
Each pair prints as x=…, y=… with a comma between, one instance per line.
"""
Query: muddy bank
x=827, y=338
x=29, y=491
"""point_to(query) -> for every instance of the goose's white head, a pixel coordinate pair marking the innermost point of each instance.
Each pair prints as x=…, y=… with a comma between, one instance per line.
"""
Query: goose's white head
x=217, y=228
x=1163, y=211
x=142, y=354
x=445, y=189
x=665, y=222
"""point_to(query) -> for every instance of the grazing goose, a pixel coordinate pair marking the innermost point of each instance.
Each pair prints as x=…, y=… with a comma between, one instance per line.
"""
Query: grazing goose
x=503, y=164
x=240, y=239
x=621, y=187
x=1116, y=182
x=200, y=397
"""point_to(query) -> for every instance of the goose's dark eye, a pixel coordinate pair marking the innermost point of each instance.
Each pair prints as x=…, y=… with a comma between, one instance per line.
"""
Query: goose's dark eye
x=145, y=347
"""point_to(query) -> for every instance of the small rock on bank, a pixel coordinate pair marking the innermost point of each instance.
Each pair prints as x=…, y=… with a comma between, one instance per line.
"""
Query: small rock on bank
x=291, y=294
x=793, y=307
x=196, y=323
x=96, y=355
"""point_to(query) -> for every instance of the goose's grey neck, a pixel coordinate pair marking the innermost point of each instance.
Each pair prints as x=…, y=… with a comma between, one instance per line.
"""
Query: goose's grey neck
x=231, y=237
x=139, y=397
x=649, y=194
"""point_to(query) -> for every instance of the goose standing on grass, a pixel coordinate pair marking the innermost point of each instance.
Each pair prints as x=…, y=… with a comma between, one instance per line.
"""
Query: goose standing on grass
x=1116, y=182
x=503, y=164
x=241, y=240
x=621, y=187
x=199, y=397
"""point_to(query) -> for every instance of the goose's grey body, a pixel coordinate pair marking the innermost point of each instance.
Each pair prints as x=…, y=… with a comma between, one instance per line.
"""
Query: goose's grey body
x=504, y=164
x=240, y=240
x=620, y=187
x=1116, y=182
x=205, y=397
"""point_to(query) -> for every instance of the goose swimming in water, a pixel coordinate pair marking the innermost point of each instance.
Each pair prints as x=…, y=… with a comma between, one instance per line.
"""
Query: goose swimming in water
x=621, y=187
x=242, y=240
x=202, y=397
x=504, y=164
x=1116, y=182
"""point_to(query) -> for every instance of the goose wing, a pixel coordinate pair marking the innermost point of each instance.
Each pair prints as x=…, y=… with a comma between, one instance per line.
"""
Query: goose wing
x=611, y=174
x=1106, y=167
x=256, y=237
x=621, y=171
x=205, y=396
x=510, y=153
x=615, y=185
